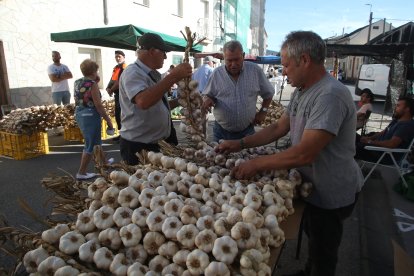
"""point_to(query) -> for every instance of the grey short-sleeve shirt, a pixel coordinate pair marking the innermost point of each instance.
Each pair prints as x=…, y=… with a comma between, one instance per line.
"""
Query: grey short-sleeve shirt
x=139, y=125
x=328, y=105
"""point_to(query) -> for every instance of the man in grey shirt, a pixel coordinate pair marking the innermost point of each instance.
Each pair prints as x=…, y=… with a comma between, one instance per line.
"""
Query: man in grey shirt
x=145, y=111
x=321, y=118
x=232, y=90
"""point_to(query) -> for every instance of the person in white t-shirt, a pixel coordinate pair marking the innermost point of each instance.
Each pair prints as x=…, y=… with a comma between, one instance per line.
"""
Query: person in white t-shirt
x=365, y=105
x=59, y=75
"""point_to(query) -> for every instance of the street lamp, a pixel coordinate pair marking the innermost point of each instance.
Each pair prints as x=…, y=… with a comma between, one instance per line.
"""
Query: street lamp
x=370, y=22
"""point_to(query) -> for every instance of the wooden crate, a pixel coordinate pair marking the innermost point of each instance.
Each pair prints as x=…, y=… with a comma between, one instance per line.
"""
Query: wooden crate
x=23, y=146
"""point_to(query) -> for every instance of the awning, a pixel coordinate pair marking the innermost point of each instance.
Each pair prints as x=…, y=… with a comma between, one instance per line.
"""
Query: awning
x=263, y=59
x=120, y=37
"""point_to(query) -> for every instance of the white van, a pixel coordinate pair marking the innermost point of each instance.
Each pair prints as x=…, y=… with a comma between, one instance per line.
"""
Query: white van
x=374, y=78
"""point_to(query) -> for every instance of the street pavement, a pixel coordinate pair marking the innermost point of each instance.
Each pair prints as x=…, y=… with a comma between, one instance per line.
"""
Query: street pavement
x=379, y=216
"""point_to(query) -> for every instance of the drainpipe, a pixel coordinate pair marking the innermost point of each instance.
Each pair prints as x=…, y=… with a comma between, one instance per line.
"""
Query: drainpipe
x=105, y=10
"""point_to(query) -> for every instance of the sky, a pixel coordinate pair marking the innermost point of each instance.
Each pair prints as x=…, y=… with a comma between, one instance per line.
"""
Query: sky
x=330, y=18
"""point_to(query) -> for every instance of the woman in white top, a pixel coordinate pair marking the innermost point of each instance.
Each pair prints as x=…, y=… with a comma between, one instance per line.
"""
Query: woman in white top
x=365, y=105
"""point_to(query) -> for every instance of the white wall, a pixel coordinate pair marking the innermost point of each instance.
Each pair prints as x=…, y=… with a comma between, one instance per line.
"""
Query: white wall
x=25, y=27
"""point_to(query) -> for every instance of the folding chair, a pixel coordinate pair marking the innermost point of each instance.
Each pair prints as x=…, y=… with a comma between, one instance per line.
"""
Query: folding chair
x=402, y=167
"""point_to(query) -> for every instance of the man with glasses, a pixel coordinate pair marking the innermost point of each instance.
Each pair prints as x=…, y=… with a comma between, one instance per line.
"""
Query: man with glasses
x=145, y=110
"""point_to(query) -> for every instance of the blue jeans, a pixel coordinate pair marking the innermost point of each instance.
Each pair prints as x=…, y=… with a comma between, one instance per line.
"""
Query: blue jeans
x=89, y=122
x=61, y=97
x=221, y=134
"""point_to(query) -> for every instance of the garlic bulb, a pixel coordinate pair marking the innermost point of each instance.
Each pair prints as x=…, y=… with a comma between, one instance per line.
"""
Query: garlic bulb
x=189, y=214
x=223, y=197
x=236, y=201
x=110, y=197
x=130, y=235
x=33, y=258
x=110, y=238
x=66, y=270
x=49, y=265
x=92, y=236
x=171, y=226
x=172, y=269
x=234, y=215
x=139, y=216
x=168, y=250
x=53, y=235
x=170, y=183
x=180, y=164
x=225, y=249
x=197, y=261
x=205, y=240
x=222, y=227
x=136, y=253
x=196, y=191
x=135, y=182
x=145, y=197
x=97, y=188
x=119, y=178
x=102, y=218
x=95, y=205
x=183, y=186
x=253, y=200
x=157, y=203
x=217, y=269
x=167, y=162
x=181, y=257
x=155, y=220
x=155, y=178
x=186, y=235
x=173, y=207
x=119, y=265
x=87, y=250
x=152, y=241
x=158, y=263
x=209, y=194
x=128, y=197
x=103, y=258
x=137, y=269
x=192, y=168
x=245, y=234
x=251, y=259
x=155, y=158
x=205, y=222
x=70, y=242
x=84, y=223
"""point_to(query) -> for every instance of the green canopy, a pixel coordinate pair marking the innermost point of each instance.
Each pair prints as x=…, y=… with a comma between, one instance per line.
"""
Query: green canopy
x=120, y=37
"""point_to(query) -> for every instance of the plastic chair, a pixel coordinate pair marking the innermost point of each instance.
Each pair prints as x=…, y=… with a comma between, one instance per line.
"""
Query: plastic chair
x=402, y=167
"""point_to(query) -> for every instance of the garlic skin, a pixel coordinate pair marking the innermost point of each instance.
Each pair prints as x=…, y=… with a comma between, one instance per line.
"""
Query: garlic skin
x=84, y=223
x=130, y=235
x=139, y=216
x=110, y=238
x=155, y=178
x=152, y=241
x=119, y=265
x=110, y=197
x=70, y=242
x=97, y=188
x=205, y=240
x=180, y=164
x=33, y=258
x=197, y=261
x=145, y=197
x=87, y=250
x=205, y=222
x=136, y=254
x=217, y=269
x=49, y=265
x=173, y=207
x=95, y=205
x=186, y=235
x=225, y=249
x=167, y=162
x=66, y=270
x=119, y=178
x=103, y=217
x=253, y=199
x=169, y=183
x=170, y=227
x=196, y=191
x=158, y=263
x=251, y=259
x=128, y=197
x=222, y=227
x=189, y=214
x=168, y=250
x=157, y=203
x=155, y=158
x=103, y=258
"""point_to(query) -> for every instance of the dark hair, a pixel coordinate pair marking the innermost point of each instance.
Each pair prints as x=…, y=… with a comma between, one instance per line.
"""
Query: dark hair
x=55, y=52
x=88, y=67
x=369, y=94
x=409, y=102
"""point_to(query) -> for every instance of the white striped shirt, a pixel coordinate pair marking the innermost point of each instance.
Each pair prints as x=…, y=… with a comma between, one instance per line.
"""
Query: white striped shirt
x=235, y=101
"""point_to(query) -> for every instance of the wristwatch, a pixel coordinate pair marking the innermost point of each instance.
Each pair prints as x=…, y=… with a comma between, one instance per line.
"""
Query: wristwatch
x=263, y=109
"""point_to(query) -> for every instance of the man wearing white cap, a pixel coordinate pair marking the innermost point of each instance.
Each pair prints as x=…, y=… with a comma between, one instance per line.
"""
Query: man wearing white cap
x=203, y=73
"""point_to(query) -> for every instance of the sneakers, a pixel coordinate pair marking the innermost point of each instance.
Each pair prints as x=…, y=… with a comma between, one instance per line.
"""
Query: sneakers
x=85, y=176
x=110, y=161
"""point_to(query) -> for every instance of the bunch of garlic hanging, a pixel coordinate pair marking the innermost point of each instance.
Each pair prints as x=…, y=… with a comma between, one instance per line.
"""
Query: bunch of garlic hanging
x=190, y=98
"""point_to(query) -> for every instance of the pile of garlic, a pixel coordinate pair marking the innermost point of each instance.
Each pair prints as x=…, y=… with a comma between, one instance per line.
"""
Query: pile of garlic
x=275, y=111
x=174, y=217
x=190, y=99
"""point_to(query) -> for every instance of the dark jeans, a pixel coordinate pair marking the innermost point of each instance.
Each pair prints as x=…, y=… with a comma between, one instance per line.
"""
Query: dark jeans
x=128, y=150
x=221, y=134
x=324, y=229
x=117, y=110
x=371, y=155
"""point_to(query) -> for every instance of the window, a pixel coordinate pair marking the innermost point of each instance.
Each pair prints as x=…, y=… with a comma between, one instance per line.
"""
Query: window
x=178, y=9
x=176, y=59
x=142, y=2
